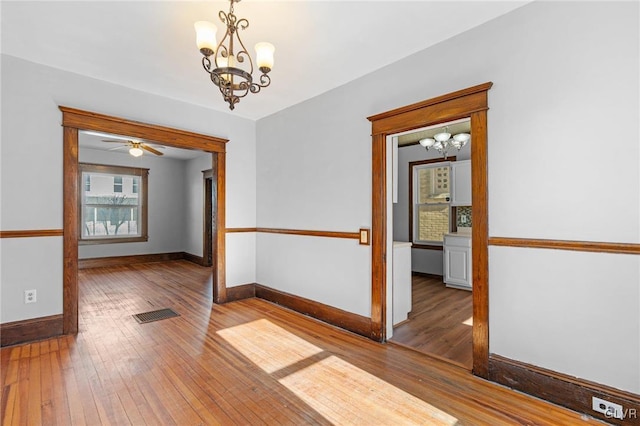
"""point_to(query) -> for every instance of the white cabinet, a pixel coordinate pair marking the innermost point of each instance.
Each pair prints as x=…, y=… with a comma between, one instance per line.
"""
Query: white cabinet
x=401, y=281
x=457, y=261
x=461, y=183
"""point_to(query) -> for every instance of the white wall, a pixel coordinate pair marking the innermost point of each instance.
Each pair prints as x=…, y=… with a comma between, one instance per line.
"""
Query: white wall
x=563, y=164
x=32, y=157
x=422, y=260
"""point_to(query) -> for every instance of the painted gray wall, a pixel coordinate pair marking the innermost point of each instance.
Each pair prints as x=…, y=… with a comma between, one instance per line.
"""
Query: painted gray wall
x=31, y=173
x=422, y=260
x=563, y=164
x=167, y=218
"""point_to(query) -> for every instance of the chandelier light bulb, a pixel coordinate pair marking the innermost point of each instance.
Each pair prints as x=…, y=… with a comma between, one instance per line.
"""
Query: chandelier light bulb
x=206, y=37
x=427, y=143
x=264, y=56
x=443, y=141
x=442, y=137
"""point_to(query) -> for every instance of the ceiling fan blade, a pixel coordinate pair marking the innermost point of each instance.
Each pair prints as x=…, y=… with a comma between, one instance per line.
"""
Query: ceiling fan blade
x=112, y=141
x=148, y=148
x=117, y=147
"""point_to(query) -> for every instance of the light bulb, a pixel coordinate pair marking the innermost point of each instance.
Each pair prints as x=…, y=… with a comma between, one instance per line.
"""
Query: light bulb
x=206, y=37
x=427, y=143
x=135, y=151
x=264, y=56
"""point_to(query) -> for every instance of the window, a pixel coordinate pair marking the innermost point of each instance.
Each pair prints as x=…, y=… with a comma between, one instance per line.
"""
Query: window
x=114, y=204
x=431, y=201
x=117, y=184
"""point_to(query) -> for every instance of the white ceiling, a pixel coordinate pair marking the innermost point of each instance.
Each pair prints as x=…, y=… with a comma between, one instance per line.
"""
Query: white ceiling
x=150, y=45
x=95, y=140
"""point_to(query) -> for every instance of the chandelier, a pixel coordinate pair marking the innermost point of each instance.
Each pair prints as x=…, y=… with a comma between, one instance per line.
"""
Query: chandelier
x=443, y=141
x=229, y=69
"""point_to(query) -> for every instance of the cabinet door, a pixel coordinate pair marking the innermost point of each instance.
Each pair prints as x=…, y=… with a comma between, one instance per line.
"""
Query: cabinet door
x=457, y=266
x=461, y=183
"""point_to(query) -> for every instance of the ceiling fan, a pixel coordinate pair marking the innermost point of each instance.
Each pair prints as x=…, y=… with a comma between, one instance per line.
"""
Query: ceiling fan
x=135, y=148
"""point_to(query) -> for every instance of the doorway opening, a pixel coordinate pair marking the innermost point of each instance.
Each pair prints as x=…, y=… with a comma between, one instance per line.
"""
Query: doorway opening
x=432, y=310
x=74, y=121
x=469, y=103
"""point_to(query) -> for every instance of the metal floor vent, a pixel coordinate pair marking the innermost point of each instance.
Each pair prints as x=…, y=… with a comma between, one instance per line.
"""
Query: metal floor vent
x=160, y=314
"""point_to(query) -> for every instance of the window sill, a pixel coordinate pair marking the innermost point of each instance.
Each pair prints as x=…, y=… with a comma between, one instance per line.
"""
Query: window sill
x=113, y=240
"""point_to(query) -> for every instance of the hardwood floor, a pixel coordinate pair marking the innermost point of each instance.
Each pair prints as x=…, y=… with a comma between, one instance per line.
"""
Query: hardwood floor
x=439, y=323
x=246, y=362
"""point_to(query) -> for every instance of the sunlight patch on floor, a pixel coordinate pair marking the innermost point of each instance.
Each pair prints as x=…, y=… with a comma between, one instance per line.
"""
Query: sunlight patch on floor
x=334, y=388
x=468, y=321
x=345, y=394
x=270, y=347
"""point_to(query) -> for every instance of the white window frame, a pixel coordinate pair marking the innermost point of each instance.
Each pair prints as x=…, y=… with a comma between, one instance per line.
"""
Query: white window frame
x=414, y=168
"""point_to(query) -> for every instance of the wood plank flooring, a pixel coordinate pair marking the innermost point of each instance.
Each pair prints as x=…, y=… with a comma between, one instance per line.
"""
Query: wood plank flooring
x=246, y=362
x=439, y=323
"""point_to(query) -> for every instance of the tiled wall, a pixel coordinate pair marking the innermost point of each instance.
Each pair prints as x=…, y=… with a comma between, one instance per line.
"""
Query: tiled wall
x=463, y=216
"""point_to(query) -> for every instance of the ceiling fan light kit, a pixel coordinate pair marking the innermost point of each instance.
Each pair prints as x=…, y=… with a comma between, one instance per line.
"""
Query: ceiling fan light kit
x=136, y=148
x=443, y=141
x=135, y=151
x=228, y=69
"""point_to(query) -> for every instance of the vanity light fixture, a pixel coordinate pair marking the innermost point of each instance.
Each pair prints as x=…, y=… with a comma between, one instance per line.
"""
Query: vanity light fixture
x=225, y=65
x=443, y=141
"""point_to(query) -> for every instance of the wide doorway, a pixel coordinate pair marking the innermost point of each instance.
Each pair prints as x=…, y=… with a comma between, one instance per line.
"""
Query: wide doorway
x=75, y=121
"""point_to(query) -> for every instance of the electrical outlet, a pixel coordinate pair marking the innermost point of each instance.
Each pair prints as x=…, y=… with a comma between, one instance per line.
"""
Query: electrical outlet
x=30, y=296
x=609, y=409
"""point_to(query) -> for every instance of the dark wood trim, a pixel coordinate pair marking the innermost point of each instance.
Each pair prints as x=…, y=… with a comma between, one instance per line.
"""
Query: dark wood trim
x=70, y=215
x=479, y=237
x=304, y=232
x=310, y=233
x=74, y=120
x=105, y=262
x=241, y=292
x=198, y=260
x=85, y=120
x=467, y=103
x=207, y=223
x=13, y=333
x=29, y=233
x=343, y=319
x=591, y=246
x=237, y=230
x=143, y=173
x=568, y=391
x=219, y=228
x=379, y=238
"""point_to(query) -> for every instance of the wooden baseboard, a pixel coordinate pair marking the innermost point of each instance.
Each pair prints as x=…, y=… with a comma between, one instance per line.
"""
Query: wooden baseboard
x=101, y=262
x=240, y=292
x=198, y=260
x=563, y=389
x=334, y=316
x=12, y=333
x=426, y=275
